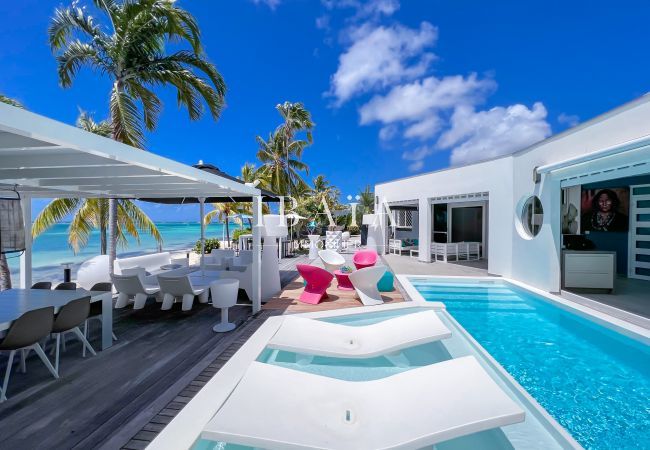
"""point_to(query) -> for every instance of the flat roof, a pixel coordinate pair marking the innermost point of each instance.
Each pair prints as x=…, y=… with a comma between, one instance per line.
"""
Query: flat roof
x=46, y=158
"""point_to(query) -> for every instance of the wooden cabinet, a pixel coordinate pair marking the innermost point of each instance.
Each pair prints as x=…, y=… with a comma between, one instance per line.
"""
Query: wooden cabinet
x=588, y=269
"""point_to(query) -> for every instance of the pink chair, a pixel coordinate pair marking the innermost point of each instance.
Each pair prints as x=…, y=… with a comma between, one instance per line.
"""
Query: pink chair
x=317, y=279
x=365, y=258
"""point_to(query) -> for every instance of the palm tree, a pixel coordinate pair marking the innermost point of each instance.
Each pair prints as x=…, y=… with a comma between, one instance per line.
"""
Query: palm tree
x=92, y=213
x=223, y=212
x=131, y=50
x=367, y=200
x=5, y=273
x=323, y=190
x=281, y=163
x=296, y=119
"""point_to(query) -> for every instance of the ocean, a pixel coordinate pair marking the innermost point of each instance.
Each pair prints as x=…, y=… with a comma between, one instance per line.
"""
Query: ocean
x=51, y=248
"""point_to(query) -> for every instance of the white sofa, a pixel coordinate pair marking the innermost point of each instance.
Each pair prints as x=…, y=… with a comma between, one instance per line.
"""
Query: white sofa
x=151, y=262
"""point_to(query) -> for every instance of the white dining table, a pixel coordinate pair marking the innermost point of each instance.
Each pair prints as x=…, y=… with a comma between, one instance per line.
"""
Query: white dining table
x=16, y=302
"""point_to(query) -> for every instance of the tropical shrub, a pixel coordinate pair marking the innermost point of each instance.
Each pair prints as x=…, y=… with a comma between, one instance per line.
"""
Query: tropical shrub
x=210, y=244
x=239, y=232
x=354, y=229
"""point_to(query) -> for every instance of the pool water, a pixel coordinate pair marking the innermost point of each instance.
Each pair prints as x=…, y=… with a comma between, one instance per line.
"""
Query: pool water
x=593, y=381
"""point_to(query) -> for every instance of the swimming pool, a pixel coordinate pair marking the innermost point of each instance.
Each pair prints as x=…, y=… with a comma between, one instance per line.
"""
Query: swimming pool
x=594, y=381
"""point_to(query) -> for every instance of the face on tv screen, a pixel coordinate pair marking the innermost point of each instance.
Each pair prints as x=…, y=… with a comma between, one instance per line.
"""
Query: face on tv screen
x=605, y=209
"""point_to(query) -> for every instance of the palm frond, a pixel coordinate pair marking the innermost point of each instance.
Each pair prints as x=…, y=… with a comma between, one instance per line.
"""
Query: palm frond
x=68, y=21
x=76, y=55
x=126, y=118
x=53, y=213
x=140, y=219
x=10, y=101
x=81, y=226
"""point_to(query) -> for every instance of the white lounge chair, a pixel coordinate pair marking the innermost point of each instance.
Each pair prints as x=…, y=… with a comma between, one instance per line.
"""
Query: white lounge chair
x=441, y=401
x=365, y=284
x=131, y=286
x=331, y=260
x=316, y=337
x=180, y=287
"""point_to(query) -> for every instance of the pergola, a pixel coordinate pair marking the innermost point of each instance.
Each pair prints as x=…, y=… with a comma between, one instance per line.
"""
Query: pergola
x=43, y=158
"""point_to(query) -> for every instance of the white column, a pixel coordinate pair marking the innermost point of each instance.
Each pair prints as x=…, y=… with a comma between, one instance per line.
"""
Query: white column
x=26, y=257
x=202, y=214
x=424, y=230
x=257, y=254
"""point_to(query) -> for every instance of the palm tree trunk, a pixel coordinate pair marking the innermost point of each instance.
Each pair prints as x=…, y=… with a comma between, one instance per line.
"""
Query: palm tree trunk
x=112, y=233
x=227, y=231
x=103, y=243
x=5, y=274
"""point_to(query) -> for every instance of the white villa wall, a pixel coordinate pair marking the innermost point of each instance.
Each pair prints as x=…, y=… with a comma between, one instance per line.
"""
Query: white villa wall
x=537, y=261
x=509, y=181
x=464, y=180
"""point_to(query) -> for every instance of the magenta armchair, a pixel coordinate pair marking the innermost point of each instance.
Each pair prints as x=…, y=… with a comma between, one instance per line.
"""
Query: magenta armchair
x=317, y=279
x=365, y=258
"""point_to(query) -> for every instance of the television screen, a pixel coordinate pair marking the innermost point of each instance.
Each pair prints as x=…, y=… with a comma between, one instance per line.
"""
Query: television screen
x=605, y=209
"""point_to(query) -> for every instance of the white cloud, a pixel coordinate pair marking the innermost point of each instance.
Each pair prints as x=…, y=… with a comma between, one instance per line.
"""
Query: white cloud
x=380, y=56
x=367, y=8
x=570, y=120
x=388, y=132
x=476, y=136
x=270, y=3
x=424, y=129
x=323, y=22
x=417, y=156
x=418, y=100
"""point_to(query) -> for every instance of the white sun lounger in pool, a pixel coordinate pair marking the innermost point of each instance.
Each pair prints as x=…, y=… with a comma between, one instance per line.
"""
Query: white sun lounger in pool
x=316, y=337
x=273, y=407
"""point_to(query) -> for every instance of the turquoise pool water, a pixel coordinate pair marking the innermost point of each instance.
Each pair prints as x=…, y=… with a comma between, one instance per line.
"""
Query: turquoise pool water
x=592, y=380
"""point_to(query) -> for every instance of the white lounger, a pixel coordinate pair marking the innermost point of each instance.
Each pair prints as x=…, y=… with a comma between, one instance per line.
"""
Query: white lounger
x=440, y=402
x=315, y=337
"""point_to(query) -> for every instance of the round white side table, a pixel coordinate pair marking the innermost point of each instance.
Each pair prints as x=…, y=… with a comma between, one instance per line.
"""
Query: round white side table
x=224, y=295
x=313, y=245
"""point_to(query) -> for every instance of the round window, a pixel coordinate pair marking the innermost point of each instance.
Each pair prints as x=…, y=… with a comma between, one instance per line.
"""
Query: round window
x=532, y=216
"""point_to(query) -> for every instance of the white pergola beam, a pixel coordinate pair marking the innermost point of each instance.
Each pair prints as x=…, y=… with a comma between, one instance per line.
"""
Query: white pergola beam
x=53, y=160
x=78, y=171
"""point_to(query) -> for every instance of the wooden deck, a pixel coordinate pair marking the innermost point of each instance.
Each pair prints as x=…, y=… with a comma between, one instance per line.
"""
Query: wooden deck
x=123, y=397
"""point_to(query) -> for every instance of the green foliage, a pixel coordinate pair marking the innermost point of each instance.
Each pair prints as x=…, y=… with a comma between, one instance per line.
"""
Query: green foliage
x=367, y=201
x=210, y=244
x=238, y=232
x=354, y=229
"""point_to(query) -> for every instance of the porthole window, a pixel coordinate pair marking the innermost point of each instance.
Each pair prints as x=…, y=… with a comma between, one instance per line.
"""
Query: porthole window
x=532, y=216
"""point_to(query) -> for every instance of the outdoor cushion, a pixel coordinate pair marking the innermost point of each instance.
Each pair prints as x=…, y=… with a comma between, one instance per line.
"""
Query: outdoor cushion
x=386, y=282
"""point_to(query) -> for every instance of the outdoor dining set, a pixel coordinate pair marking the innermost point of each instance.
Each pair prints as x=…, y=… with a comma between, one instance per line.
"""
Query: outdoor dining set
x=30, y=319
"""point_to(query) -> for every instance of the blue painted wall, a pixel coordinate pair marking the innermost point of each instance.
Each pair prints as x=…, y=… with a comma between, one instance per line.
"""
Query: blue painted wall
x=611, y=241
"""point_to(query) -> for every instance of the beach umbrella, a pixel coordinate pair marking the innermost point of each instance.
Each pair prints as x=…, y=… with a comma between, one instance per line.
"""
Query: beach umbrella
x=267, y=196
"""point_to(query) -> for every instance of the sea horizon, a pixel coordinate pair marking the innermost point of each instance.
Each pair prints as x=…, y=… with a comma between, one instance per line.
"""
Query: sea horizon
x=51, y=249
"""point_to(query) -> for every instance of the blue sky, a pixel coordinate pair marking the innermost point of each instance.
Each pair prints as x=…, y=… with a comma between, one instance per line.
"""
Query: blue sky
x=395, y=88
